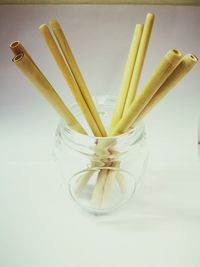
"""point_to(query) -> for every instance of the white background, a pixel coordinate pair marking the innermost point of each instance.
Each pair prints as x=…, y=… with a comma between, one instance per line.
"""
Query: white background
x=39, y=225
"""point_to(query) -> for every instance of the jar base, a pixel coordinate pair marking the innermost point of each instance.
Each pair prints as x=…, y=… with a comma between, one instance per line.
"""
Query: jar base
x=101, y=190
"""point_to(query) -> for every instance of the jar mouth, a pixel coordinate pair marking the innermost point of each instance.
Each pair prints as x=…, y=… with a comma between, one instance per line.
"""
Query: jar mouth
x=105, y=104
x=137, y=128
x=87, y=144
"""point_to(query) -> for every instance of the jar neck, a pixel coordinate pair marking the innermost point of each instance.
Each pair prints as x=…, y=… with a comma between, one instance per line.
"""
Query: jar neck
x=101, y=148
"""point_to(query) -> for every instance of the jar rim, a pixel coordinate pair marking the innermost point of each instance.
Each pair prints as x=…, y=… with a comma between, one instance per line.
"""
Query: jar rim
x=68, y=130
x=137, y=131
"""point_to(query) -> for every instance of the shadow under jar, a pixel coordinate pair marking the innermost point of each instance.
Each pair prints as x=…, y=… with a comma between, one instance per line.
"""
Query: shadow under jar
x=102, y=173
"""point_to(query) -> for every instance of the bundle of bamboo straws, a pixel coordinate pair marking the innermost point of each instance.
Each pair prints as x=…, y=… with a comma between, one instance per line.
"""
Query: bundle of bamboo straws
x=130, y=107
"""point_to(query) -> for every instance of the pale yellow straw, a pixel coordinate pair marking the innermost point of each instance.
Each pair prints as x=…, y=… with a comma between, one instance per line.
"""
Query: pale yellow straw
x=67, y=52
x=185, y=65
x=69, y=78
x=32, y=72
x=128, y=72
x=140, y=60
x=161, y=73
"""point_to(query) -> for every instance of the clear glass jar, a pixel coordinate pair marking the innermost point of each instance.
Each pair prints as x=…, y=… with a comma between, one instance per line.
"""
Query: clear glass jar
x=102, y=173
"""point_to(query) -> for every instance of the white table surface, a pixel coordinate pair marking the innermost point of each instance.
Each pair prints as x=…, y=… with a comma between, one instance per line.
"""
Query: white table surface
x=39, y=225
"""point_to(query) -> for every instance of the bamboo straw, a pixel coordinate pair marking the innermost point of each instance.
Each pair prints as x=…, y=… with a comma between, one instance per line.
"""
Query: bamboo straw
x=18, y=48
x=67, y=52
x=101, y=154
x=107, y=189
x=161, y=73
x=186, y=64
x=170, y=70
x=129, y=68
x=103, y=187
x=140, y=60
x=97, y=193
x=127, y=93
x=68, y=77
x=32, y=72
x=105, y=179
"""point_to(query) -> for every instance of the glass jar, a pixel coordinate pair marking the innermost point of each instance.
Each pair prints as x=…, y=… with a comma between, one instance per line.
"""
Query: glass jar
x=102, y=173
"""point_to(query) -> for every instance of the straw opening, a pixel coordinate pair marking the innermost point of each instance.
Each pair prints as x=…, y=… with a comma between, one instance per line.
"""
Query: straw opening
x=193, y=57
x=18, y=57
x=14, y=44
x=175, y=51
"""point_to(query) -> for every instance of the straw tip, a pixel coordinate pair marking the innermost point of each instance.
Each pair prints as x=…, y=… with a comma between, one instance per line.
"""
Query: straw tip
x=139, y=25
x=54, y=23
x=14, y=44
x=150, y=16
x=175, y=51
x=43, y=27
x=193, y=57
x=18, y=57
